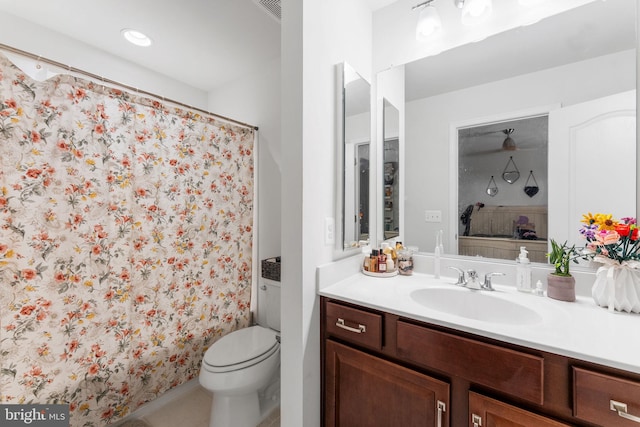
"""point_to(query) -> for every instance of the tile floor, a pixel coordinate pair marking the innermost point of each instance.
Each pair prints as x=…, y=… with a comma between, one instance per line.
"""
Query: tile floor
x=193, y=410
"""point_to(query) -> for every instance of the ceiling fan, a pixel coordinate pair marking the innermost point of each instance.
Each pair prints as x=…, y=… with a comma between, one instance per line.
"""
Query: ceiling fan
x=508, y=144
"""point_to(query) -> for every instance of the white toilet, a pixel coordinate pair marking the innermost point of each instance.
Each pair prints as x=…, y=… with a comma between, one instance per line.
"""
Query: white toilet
x=243, y=367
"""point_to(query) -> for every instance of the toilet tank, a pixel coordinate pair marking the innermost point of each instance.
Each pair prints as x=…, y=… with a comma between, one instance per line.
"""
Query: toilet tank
x=272, y=306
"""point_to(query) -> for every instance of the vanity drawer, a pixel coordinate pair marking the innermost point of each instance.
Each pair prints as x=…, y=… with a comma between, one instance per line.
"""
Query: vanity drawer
x=502, y=369
x=594, y=394
x=354, y=325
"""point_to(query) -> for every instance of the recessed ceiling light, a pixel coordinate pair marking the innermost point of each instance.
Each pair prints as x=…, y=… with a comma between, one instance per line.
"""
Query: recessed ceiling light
x=136, y=37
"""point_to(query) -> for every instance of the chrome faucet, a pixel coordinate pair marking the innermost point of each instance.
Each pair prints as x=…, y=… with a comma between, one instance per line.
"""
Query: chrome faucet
x=486, y=285
x=470, y=279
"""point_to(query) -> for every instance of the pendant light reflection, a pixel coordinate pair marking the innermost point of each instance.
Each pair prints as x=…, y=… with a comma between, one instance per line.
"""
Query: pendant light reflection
x=429, y=21
x=508, y=144
x=476, y=11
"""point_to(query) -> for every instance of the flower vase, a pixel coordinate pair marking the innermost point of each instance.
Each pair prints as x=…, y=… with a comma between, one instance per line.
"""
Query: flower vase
x=617, y=287
x=562, y=288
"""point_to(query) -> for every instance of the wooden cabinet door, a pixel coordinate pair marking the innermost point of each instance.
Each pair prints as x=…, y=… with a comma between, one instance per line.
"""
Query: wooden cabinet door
x=363, y=390
x=487, y=412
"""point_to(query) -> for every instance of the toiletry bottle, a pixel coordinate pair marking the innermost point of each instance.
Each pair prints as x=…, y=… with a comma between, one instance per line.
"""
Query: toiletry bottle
x=390, y=252
x=390, y=264
x=373, y=261
x=382, y=262
x=523, y=271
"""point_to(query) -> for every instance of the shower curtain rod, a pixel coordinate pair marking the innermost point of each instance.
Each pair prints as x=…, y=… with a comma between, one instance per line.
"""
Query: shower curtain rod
x=112, y=82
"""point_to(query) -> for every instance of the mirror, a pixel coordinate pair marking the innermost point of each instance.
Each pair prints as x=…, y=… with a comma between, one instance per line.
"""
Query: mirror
x=353, y=153
x=580, y=55
x=391, y=170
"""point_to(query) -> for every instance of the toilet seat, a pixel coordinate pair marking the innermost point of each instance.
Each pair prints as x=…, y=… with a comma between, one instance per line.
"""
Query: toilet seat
x=241, y=349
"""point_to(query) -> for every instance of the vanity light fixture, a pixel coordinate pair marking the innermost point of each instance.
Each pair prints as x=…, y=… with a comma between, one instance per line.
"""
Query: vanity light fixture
x=136, y=37
x=428, y=22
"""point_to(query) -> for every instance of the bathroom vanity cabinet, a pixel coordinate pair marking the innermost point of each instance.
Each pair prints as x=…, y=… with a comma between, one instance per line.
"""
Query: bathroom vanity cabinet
x=380, y=369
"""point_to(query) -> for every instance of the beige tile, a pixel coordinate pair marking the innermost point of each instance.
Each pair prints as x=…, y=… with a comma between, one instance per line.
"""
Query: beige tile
x=272, y=420
x=191, y=410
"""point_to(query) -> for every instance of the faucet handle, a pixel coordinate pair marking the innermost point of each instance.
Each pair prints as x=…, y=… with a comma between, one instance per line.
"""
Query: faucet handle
x=487, y=281
x=462, y=281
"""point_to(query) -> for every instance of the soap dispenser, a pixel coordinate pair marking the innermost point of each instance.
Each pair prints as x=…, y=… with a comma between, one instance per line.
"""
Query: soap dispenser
x=523, y=271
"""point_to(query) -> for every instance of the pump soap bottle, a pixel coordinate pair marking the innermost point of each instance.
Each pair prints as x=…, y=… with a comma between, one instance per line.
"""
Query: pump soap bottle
x=523, y=272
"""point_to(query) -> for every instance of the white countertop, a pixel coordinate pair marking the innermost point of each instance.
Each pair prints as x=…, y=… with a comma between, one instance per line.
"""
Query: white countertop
x=580, y=329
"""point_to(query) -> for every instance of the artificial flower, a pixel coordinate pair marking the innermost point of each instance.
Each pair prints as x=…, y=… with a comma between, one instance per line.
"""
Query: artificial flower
x=610, y=238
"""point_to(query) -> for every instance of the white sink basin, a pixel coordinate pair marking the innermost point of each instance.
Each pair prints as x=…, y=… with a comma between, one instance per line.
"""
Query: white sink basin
x=476, y=305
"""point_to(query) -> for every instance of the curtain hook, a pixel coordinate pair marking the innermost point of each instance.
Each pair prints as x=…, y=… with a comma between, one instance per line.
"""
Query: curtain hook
x=38, y=65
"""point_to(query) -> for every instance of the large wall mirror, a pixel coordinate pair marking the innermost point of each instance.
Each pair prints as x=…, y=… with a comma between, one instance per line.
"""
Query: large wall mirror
x=354, y=156
x=561, y=63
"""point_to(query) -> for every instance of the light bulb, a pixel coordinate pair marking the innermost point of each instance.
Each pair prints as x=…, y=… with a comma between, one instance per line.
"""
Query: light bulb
x=428, y=23
x=476, y=11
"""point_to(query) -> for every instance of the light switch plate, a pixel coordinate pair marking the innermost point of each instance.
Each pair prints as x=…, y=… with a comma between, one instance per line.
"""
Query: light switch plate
x=329, y=231
x=433, y=216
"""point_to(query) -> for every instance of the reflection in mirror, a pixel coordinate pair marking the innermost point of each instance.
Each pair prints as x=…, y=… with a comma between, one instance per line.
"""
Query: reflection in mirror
x=584, y=54
x=391, y=166
x=353, y=145
x=496, y=223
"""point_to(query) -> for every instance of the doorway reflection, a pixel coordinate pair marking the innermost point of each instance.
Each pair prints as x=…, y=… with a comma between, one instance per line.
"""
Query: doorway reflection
x=496, y=223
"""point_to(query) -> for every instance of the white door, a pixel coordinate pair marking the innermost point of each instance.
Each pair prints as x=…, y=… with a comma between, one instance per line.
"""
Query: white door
x=592, y=163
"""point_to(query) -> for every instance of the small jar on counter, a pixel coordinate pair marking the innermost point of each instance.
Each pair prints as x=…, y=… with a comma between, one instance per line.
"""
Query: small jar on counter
x=405, y=262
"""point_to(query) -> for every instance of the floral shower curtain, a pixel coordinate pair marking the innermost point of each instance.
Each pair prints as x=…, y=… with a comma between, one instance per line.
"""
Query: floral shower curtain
x=125, y=243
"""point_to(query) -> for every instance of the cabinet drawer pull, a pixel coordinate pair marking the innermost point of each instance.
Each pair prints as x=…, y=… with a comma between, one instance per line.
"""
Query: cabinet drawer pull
x=621, y=409
x=361, y=328
x=476, y=420
x=442, y=407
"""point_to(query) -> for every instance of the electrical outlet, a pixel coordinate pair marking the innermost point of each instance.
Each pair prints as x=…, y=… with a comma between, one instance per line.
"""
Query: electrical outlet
x=329, y=231
x=433, y=216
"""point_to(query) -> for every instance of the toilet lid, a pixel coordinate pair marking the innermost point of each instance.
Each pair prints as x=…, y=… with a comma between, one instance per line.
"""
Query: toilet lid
x=241, y=346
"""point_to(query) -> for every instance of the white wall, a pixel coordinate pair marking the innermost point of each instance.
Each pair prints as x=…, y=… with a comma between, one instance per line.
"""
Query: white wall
x=428, y=124
x=255, y=99
x=316, y=35
x=29, y=37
